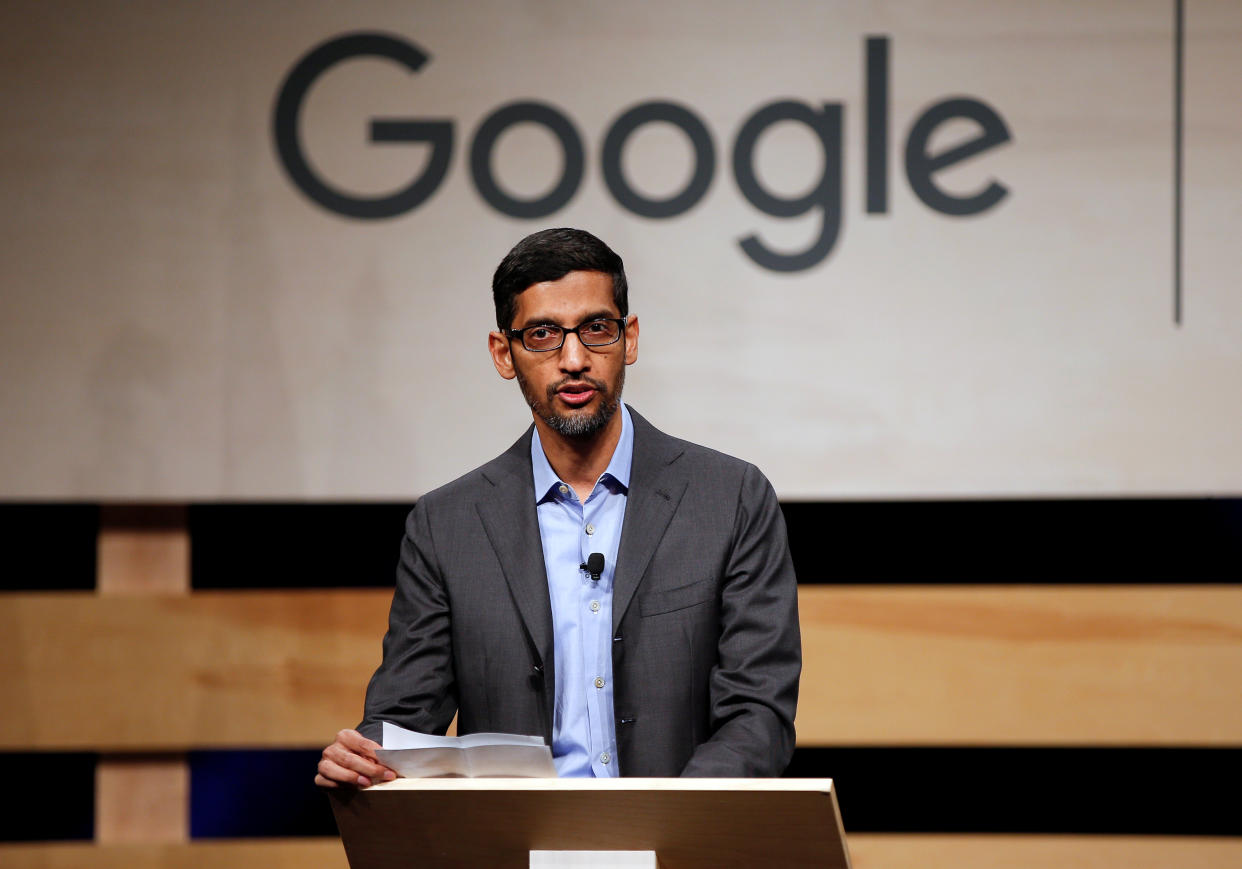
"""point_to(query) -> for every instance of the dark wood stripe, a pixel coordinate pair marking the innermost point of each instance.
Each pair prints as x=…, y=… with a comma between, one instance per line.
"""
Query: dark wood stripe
x=1097, y=791
x=295, y=545
x=1059, y=541
x=1147, y=791
x=53, y=796
x=244, y=794
x=48, y=546
x=1056, y=541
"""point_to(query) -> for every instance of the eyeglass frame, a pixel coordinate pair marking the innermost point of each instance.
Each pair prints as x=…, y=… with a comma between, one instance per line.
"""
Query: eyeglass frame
x=566, y=332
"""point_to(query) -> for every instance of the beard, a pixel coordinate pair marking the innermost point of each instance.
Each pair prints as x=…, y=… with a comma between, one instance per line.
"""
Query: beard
x=579, y=424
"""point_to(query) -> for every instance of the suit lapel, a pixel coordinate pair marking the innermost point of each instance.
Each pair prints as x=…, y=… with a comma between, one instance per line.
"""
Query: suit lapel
x=507, y=512
x=656, y=486
x=508, y=516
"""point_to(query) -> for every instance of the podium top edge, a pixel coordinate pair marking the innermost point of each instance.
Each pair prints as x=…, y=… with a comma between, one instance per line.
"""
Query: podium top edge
x=789, y=785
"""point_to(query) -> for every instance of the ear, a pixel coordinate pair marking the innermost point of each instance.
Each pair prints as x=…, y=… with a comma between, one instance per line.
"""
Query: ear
x=631, y=339
x=502, y=357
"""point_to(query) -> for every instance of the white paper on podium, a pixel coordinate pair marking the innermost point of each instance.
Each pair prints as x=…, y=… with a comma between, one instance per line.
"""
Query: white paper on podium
x=478, y=755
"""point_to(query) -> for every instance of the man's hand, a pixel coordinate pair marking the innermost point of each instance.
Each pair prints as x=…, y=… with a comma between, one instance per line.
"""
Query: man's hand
x=351, y=761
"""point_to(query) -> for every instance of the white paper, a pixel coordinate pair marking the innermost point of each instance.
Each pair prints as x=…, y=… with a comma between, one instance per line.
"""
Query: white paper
x=398, y=737
x=477, y=755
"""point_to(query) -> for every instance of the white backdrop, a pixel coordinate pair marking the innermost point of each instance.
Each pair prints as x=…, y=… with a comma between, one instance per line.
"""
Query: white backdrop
x=178, y=320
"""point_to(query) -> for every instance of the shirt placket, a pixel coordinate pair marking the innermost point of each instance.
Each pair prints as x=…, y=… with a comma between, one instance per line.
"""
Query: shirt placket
x=596, y=614
x=572, y=517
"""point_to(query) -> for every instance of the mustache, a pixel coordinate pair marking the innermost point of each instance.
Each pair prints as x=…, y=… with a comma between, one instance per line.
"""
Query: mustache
x=598, y=385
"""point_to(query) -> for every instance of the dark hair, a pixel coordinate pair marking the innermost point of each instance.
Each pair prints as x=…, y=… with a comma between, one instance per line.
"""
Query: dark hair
x=549, y=255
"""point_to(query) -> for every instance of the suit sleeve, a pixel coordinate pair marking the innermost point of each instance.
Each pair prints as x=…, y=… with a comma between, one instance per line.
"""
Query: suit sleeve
x=414, y=686
x=754, y=687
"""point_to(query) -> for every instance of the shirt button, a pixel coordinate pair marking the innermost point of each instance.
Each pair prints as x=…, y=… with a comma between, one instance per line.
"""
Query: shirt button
x=590, y=529
x=594, y=606
x=564, y=490
x=599, y=681
x=605, y=757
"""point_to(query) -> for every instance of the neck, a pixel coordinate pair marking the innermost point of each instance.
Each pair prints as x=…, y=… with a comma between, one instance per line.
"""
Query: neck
x=580, y=461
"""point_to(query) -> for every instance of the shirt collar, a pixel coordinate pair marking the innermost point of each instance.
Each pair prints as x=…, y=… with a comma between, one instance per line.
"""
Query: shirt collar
x=618, y=467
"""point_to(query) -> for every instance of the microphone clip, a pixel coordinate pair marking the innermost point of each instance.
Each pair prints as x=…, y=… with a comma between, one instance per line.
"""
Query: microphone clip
x=594, y=565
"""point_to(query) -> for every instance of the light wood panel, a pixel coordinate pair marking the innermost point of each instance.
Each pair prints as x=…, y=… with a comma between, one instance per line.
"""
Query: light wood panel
x=883, y=665
x=142, y=798
x=866, y=851
x=286, y=668
x=1044, y=852
x=142, y=550
x=316, y=853
x=1031, y=665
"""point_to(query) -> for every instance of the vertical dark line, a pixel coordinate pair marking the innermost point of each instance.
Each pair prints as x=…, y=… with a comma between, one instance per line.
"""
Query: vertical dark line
x=877, y=124
x=1179, y=39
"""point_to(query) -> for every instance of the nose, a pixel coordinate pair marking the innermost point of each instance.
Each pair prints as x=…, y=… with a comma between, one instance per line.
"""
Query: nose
x=574, y=354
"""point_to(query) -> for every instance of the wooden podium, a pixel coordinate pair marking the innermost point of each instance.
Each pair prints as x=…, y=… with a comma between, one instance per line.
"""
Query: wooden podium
x=669, y=822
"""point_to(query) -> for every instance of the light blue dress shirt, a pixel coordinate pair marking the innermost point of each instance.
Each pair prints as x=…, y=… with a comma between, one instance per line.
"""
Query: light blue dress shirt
x=584, y=733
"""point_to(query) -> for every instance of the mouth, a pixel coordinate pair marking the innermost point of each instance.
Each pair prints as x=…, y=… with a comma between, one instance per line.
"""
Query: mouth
x=576, y=394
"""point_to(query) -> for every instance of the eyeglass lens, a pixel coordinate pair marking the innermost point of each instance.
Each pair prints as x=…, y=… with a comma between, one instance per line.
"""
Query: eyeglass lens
x=593, y=333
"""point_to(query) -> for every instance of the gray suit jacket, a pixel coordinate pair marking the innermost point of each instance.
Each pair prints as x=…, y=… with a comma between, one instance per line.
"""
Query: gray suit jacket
x=706, y=647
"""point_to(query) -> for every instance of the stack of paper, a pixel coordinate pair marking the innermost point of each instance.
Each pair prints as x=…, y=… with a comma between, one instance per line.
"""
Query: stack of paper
x=419, y=755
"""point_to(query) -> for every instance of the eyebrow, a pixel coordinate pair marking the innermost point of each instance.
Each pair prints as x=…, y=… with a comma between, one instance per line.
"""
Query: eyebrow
x=548, y=321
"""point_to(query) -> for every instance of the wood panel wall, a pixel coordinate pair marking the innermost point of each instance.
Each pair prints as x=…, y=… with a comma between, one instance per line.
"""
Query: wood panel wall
x=884, y=666
x=162, y=671
x=866, y=851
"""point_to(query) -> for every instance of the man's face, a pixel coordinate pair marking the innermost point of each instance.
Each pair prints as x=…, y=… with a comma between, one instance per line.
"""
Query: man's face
x=575, y=390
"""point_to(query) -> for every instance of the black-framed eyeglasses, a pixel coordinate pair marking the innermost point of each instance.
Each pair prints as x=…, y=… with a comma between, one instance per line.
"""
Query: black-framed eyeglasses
x=593, y=333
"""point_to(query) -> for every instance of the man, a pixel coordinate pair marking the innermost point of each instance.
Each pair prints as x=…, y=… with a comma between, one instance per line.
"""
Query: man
x=627, y=595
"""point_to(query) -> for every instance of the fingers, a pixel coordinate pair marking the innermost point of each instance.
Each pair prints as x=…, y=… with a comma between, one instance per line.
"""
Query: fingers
x=332, y=774
x=358, y=743
x=341, y=758
x=351, y=761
